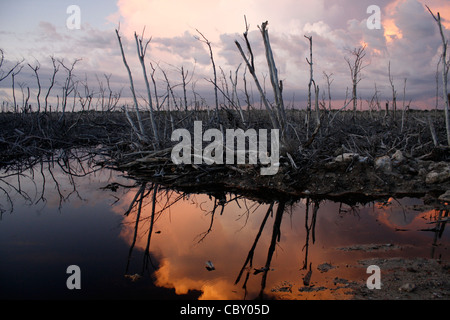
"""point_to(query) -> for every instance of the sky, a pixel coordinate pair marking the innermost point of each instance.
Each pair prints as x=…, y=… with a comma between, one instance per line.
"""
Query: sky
x=408, y=41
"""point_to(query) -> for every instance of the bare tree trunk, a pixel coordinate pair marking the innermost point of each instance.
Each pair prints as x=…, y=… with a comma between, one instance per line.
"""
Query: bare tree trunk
x=394, y=93
x=404, y=105
x=276, y=84
x=328, y=76
x=355, y=72
x=52, y=82
x=183, y=77
x=445, y=70
x=14, y=91
x=68, y=87
x=35, y=69
x=311, y=80
x=251, y=68
x=215, y=75
x=141, y=132
x=141, y=53
x=152, y=75
x=316, y=103
x=235, y=94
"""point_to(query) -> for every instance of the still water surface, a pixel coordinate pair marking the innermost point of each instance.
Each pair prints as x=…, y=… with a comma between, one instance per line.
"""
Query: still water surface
x=55, y=220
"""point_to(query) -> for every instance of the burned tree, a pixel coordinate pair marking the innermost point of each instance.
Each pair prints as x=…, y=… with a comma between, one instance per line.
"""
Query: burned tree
x=141, y=49
x=355, y=71
x=445, y=70
x=208, y=43
x=141, y=132
x=277, y=114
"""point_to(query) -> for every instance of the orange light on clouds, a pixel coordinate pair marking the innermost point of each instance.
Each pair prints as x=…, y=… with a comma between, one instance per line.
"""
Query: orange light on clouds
x=391, y=31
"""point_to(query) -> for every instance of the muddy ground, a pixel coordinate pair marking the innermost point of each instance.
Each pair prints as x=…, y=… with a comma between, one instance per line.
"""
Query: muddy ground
x=349, y=178
x=407, y=279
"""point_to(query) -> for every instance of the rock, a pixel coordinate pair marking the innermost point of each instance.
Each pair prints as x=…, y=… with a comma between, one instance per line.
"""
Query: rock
x=445, y=197
x=133, y=277
x=324, y=267
x=407, y=287
x=346, y=157
x=383, y=164
x=439, y=173
x=210, y=266
x=397, y=157
x=340, y=281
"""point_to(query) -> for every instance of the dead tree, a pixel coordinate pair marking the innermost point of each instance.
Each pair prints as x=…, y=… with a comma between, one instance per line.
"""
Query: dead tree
x=329, y=82
x=394, y=93
x=52, y=82
x=206, y=41
x=68, y=87
x=14, y=73
x=152, y=75
x=311, y=79
x=141, y=132
x=445, y=70
x=141, y=49
x=355, y=71
x=4, y=74
x=184, y=77
x=251, y=68
x=277, y=115
x=35, y=70
x=277, y=85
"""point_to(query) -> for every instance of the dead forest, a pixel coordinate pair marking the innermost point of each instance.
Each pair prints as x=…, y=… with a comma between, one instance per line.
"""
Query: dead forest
x=345, y=153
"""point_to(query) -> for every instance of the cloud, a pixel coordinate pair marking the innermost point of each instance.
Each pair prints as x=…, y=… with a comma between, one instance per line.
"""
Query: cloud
x=48, y=30
x=409, y=40
x=187, y=46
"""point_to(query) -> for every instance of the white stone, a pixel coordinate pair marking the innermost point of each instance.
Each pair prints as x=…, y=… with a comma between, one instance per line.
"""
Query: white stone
x=383, y=163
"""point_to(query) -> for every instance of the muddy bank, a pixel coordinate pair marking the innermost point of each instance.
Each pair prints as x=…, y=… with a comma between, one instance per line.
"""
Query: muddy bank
x=355, y=159
x=349, y=178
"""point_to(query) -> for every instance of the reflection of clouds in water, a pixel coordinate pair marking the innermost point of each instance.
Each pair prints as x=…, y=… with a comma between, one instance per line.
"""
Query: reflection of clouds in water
x=182, y=251
x=169, y=276
x=398, y=213
x=182, y=257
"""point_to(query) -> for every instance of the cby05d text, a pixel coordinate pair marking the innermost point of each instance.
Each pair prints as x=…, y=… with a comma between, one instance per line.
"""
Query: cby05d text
x=249, y=309
x=230, y=309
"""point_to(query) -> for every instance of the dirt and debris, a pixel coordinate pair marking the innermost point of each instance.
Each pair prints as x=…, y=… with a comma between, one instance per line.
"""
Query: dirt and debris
x=407, y=279
x=325, y=267
x=371, y=247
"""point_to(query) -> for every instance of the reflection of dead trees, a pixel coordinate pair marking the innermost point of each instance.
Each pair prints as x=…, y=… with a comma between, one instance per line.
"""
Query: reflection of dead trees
x=137, y=205
x=249, y=259
x=137, y=199
x=218, y=202
x=276, y=236
x=441, y=220
x=72, y=164
x=138, y=202
x=310, y=229
x=147, y=258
